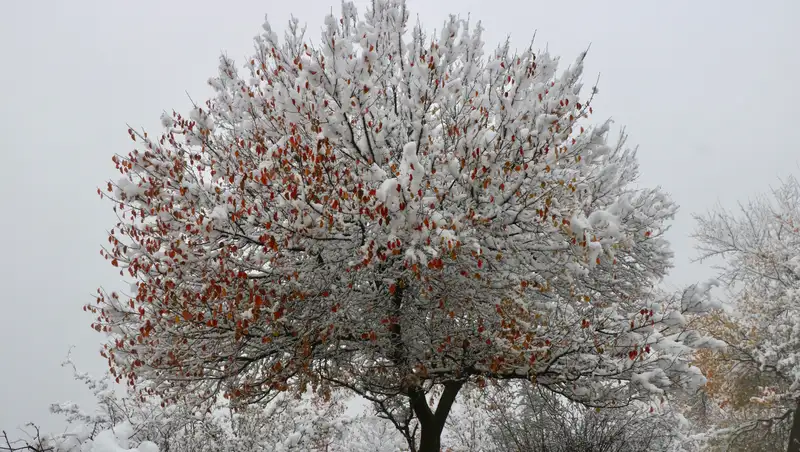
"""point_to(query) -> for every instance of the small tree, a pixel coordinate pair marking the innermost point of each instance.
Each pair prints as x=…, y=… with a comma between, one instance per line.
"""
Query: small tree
x=758, y=251
x=393, y=215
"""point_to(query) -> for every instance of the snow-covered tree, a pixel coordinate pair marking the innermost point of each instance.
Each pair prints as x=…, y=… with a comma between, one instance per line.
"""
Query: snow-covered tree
x=726, y=411
x=757, y=250
x=524, y=418
x=397, y=215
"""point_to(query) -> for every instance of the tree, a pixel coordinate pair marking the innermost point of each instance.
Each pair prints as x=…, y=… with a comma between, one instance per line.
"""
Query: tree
x=397, y=216
x=530, y=418
x=758, y=255
x=727, y=410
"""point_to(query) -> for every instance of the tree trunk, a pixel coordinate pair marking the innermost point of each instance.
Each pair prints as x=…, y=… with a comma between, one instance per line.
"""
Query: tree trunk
x=794, y=435
x=432, y=422
x=430, y=439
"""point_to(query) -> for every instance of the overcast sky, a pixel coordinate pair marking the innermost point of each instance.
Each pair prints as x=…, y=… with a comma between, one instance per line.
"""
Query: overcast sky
x=707, y=89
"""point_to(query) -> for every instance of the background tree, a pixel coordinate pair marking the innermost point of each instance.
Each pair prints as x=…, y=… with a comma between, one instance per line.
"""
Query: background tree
x=531, y=418
x=758, y=255
x=395, y=215
x=727, y=410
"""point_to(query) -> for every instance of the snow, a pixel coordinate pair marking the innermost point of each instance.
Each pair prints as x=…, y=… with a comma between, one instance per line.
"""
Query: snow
x=116, y=439
x=220, y=212
x=646, y=379
x=698, y=299
x=375, y=174
x=411, y=170
x=454, y=167
x=167, y=121
x=387, y=191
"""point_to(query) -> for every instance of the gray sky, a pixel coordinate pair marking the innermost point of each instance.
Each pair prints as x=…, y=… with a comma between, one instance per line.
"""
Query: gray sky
x=706, y=88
